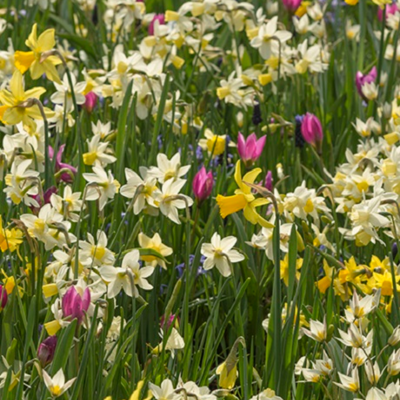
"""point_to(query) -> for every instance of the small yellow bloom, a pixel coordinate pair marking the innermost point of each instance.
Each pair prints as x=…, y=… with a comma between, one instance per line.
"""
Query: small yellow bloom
x=351, y=2
x=52, y=327
x=36, y=60
x=227, y=376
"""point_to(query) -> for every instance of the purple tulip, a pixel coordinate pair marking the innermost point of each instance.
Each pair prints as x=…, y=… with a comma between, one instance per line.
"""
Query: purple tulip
x=46, y=350
x=312, y=132
x=250, y=149
x=166, y=325
x=3, y=297
x=161, y=20
x=203, y=184
x=90, y=102
x=65, y=177
x=390, y=10
x=361, y=80
x=75, y=306
x=269, y=181
x=291, y=5
x=46, y=198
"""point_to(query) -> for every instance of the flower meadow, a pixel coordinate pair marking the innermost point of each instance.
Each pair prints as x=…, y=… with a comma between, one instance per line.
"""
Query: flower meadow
x=199, y=199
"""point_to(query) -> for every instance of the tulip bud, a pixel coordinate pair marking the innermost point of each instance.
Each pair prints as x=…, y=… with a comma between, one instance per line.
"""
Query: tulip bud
x=291, y=5
x=269, y=181
x=3, y=297
x=90, y=102
x=203, y=184
x=250, y=149
x=73, y=305
x=361, y=80
x=46, y=350
x=394, y=250
x=311, y=130
x=167, y=324
x=161, y=20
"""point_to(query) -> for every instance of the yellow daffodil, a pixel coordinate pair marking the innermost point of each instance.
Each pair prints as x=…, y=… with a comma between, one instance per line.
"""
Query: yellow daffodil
x=285, y=269
x=37, y=61
x=16, y=111
x=243, y=199
x=227, y=375
x=351, y=2
x=10, y=239
x=324, y=283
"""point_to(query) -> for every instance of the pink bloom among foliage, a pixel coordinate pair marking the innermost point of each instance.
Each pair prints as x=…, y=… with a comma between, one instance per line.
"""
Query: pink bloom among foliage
x=74, y=305
x=291, y=5
x=90, y=102
x=250, y=149
x=203, y=184
x=65, y=176
x=269, y=181
x=390, y=10
x=161, y=20
x=312, y=132
x=361, y=80
x=3, y=297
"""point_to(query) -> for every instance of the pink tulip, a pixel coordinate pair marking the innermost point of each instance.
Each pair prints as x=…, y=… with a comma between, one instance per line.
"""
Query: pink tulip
x=361, y=80
x=390, y=10
x=203, y=184
x=90, y=102
x=292, y=5
x=65, y=177
x=250, y=149
x=46, y=199
x=3, y=298
x=311, y=129
x=166, y=325
x=46, y=350
x=75, y=306
x=161, y=20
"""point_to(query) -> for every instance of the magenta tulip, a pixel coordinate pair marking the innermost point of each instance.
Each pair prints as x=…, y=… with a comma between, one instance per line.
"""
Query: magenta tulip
x=74, y=305
x=3, y=298
x=46, y=350
x=250, y=149
x=312, y=132
x=203, y=184
x=90, y=102
x=291, y=5
x=390, y=10
x=361, y=80
x=161, y=20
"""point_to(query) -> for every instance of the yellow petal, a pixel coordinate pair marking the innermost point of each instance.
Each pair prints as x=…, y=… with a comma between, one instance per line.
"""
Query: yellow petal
x=50, y=290
x=23, y=60
x=46, y=40
x=16, y=85
x=52, y=327
x=231, y=204
x=238, y=175
x=31, y=42
x=35, y=92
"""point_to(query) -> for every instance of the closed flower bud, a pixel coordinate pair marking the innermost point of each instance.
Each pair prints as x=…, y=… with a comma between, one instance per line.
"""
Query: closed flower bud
x=3, y=297
x=269, y=181
x=311, y=129
x=250, y=149
x=203, y=184
x=291, y=5
x=90, y=102
x=46, y=350
x=74, y=305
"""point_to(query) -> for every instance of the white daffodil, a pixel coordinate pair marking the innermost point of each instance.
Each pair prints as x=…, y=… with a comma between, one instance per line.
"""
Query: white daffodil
x=97, y=153
x=98, y=253
x=68, y=205
x=164, y=392
x=168, y=169
x=63, y=95
x=219, y=253
x=266, y=35
x=127, y=277
x=145, y=197
x=57, y=385
x=102, y=187
x=169, y=200
x=156, y=244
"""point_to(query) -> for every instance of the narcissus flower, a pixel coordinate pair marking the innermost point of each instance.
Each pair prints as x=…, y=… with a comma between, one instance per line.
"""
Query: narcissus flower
x=16, y=106
x=37, y=61
x=243, y=199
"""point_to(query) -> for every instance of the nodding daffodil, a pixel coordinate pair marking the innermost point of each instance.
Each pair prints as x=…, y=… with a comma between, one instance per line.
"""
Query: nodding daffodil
x=14, y=110
x=243, y=199
x=36, y=60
